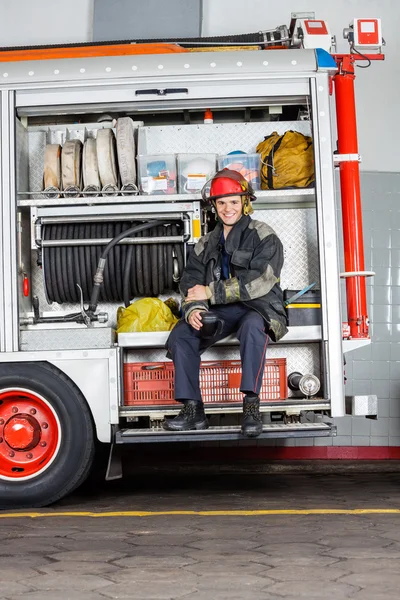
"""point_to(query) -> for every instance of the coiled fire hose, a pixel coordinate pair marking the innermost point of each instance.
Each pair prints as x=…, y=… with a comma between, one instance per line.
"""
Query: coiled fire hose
x=116, y=272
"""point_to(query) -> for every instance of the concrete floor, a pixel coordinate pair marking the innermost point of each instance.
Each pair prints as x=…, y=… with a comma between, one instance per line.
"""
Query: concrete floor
x=265, y=556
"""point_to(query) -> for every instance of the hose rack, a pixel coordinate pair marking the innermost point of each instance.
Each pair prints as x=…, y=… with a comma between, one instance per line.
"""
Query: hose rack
x=146, y=264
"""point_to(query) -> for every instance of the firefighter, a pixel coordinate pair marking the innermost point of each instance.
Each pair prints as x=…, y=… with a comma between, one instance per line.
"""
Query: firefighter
x=232, y=274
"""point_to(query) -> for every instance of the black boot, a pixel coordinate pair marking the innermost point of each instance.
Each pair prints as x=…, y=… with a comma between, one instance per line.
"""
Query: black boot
x=252, y=423
x=191, y=416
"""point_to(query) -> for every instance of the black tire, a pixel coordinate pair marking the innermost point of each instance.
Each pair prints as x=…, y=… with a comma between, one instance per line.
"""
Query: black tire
x=74, y=458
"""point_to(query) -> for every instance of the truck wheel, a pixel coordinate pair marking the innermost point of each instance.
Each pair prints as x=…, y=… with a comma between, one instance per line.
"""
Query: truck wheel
x=46, y=435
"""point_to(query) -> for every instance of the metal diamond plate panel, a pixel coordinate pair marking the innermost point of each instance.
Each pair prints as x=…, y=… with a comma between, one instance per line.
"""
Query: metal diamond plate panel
x=39, y=291
x=37, y=145
x=221, y=138
x=22, y=158
x=67, y=339
x=297, y=230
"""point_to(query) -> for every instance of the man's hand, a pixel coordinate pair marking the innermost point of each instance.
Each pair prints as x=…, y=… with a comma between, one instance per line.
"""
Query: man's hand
x=198, y=292
x=195, y=319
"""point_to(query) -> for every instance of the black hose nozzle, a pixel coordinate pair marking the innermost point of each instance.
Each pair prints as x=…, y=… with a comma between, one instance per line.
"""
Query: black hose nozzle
x=98, y=278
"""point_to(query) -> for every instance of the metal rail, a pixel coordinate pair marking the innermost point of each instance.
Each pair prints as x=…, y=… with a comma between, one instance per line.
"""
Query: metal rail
x=173, y=239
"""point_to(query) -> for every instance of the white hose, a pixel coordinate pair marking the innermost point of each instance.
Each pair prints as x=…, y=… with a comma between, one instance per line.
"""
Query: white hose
x=90, y=169
x=106, y=160
x=52, y=171
x=126, y=151
x=71, y=158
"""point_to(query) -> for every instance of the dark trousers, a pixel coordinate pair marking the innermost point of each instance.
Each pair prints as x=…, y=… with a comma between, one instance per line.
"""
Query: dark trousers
x=185, y=345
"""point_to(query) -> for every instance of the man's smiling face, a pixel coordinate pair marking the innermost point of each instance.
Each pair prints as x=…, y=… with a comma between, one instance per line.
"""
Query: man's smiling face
x=229, y=209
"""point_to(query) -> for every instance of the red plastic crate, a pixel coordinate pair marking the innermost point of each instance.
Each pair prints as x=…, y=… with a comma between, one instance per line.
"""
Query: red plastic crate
x=153, y=383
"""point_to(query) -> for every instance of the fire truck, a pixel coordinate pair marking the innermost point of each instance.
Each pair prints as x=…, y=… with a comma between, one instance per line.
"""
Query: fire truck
x=102, y=155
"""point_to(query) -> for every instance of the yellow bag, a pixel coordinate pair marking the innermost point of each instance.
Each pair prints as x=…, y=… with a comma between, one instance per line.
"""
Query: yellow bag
x=286, y=161
x=146, y=314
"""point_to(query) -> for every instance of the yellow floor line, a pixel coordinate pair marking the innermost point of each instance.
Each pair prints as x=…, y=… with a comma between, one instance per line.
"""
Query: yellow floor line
x=205, y=513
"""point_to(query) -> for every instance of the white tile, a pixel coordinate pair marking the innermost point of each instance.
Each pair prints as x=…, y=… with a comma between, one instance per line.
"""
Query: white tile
x=361, y=440
x=342, y=440
x=379, y=441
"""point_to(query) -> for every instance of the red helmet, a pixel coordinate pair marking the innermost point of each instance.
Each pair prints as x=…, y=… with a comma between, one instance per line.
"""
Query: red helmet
x=222, y=186
x=227, y=183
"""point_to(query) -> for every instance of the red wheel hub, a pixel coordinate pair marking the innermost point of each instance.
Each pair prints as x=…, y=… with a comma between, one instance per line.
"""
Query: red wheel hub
x=22, y=432
x=30, y=434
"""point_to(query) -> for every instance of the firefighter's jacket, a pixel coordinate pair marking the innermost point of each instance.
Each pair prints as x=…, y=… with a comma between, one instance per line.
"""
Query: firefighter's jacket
x=256, y=260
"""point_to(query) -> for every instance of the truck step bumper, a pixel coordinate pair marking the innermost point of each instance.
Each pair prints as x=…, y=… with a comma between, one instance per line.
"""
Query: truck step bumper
x=275, y=430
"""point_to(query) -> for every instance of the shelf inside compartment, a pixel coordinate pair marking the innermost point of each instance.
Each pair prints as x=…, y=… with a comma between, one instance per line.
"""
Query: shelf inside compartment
x=282, y=198
x=218, y=139
x=157, y=339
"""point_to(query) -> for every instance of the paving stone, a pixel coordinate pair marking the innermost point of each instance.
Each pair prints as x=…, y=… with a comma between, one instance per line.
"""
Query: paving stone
x=297, y=573
x=344, y=523
x=368, y=553
x=82, y=567
x=375, y=593
x=96, y=536
x=90, y=555
x=179, y=528
x=291, y=536
x=119, y=547
x=222, y=546
x=298, y=561
x=273, y=557
x=165, y=590
x=290, y=549
x=241, y=595
x=312, y=589
x=10, y=572
x=238, y=582
x=154, y=562
x=141, y=576
x=355, y=540
x=22, y=546
x=225, y=568
x=62, y=525
x=391, y=535
x=59, y=595
x=162, y=551
x=237, y=532
x=23, y=530
x=231, y=557
x=31, y=561
x=163, y=539
x=62, y=581
x=386, y=580
x=13, y=587
x=368, y=564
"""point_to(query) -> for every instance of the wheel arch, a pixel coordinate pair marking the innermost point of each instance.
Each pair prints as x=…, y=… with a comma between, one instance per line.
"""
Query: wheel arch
x=96, y=374
x=92, y=383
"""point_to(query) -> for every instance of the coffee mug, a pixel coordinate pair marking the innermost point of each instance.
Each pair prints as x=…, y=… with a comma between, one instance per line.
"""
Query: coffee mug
x=212, y=325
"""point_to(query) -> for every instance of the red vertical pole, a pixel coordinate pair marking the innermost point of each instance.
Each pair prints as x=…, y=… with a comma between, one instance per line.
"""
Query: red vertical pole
x=351, y=199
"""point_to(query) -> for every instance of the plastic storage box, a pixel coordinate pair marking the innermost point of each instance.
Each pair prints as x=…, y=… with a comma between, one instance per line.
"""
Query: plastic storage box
x=157, y=174
x=153, y=383
x=306, y=310
x=246, y=164
x=194, y=170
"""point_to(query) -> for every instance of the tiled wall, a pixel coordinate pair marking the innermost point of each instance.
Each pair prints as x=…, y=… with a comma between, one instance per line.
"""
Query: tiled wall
x=374, y=369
